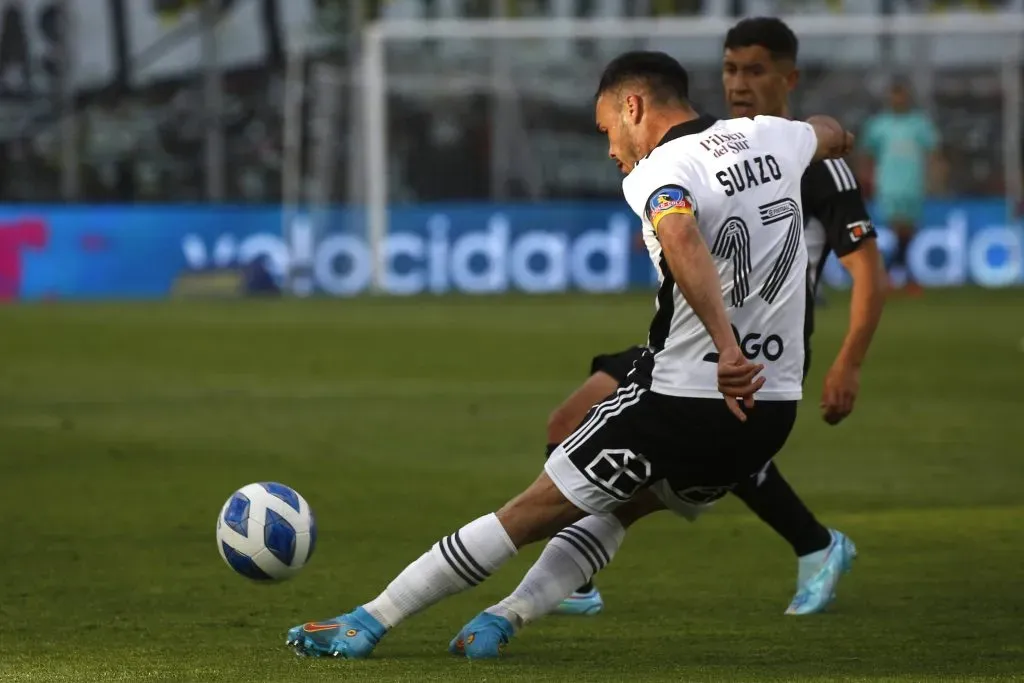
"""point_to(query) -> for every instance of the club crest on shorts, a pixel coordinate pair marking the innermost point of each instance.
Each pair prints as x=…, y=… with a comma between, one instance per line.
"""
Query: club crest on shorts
x=619, y=472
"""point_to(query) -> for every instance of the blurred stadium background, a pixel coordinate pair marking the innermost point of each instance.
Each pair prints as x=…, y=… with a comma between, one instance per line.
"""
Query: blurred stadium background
x=152, y=150
x=291, y=123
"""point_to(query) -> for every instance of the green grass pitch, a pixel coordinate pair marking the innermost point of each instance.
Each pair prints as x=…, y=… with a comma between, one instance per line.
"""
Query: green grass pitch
x=124, y=427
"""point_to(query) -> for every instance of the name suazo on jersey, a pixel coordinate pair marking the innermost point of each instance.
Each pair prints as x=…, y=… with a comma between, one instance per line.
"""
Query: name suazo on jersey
x=740, y=179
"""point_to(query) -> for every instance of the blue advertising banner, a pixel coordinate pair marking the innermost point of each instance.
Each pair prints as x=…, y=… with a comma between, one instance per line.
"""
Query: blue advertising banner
x=141, y=252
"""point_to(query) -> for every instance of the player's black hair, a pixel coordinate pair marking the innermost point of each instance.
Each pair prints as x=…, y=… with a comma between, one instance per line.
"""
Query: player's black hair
x=663, y=77
x=768, y=32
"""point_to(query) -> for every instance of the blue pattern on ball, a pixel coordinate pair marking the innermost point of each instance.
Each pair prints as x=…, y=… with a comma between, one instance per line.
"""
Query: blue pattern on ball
x=243, y=564
x=282, y=492
x=279, y=537
x=236, y=516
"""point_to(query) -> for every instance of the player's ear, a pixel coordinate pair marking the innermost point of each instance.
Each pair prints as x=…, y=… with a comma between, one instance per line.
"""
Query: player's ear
x=634, y=108
x=793, y=79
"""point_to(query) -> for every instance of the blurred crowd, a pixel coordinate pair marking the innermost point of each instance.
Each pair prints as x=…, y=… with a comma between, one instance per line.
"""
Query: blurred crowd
x=146, y=144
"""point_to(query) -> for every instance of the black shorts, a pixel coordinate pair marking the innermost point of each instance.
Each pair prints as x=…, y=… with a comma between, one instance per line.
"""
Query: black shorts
x=617, y=364
x=692, y=449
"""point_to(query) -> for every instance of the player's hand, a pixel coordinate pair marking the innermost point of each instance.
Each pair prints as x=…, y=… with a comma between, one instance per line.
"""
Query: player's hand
x=738, y=380
x=844, y=147
x=842, y=384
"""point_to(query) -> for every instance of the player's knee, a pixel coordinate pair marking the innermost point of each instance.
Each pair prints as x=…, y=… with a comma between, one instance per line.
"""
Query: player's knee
x=537, y=513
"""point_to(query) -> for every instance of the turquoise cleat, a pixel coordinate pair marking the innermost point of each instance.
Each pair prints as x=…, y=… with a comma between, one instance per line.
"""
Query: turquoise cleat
x=351, y=636
x=484, y=637
x=819, y=591
x=581, y=604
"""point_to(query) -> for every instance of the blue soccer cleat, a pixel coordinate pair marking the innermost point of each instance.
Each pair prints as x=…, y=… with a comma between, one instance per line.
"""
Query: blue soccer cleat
x=484, y=637
x=582, y=604
x=817, y=592
x=351, y=636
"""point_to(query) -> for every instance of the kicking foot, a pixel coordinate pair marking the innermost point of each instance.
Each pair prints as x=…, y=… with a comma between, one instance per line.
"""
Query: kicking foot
x=351, y=636
x=484, y=637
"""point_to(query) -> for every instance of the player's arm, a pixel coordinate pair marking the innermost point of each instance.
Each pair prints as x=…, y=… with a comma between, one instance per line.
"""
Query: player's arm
x=840, y=208
x=693, y=269
x=866, y=301
x=804, y=142
x=833, y=141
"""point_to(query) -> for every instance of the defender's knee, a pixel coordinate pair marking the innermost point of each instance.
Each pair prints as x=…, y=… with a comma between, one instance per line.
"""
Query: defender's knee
x=643, y=504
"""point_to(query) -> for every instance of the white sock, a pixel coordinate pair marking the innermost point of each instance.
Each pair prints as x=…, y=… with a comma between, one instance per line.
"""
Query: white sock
x=569, y=560
x=452, y=565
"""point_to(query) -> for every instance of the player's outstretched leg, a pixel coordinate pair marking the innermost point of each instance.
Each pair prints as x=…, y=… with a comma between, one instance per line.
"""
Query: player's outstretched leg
x=570, y=559
x=353, y=636
x=573, y=555
x=607, y=372
x=585, y=600
x=452, y=565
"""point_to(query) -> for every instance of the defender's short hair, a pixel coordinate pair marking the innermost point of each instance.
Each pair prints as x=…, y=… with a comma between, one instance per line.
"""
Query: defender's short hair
x=663, y=77
x=768, y=32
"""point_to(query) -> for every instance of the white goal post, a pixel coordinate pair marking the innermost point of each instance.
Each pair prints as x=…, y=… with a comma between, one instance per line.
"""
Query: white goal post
x=1006, y=30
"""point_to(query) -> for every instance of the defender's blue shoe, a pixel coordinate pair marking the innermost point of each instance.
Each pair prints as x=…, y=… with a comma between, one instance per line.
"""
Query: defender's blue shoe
x=484, y=637
x=352, y=636
x=582, y=604
x=819, y=590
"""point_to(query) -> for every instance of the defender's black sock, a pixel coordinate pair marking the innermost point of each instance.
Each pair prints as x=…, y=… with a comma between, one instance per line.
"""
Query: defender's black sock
x=781, y=509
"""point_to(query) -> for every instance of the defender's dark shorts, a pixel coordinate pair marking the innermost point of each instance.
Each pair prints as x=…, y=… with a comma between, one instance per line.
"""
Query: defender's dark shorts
x=691, y=450
x=617, y=364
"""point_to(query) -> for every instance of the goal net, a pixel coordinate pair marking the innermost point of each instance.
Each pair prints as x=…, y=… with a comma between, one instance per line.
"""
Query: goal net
x=498, y=113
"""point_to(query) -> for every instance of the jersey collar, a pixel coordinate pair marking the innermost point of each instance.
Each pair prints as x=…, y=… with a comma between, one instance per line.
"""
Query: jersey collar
x=697, y=125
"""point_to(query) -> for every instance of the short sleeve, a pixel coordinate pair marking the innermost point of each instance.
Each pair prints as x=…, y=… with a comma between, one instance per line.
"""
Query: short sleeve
x=847, y=223
x=796, y=138
x=831, y=195
x=655, y=190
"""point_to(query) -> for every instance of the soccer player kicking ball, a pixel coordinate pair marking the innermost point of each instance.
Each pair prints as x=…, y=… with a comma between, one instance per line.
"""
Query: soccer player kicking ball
x=719, y=204
x=758, y=73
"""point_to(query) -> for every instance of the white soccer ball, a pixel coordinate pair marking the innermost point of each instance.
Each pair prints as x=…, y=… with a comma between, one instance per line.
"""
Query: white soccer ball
x=266, y=532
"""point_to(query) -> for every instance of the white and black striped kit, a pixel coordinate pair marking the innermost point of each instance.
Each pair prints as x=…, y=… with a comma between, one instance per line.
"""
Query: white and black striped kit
x=753, y=223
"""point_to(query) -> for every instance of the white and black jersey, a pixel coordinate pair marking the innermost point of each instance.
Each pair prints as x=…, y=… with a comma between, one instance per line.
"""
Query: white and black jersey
x=835, y=220
x=741, y=179
x=835, y=217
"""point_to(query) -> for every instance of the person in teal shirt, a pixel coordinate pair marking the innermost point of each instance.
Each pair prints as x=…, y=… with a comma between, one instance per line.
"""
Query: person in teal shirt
x=900, y=142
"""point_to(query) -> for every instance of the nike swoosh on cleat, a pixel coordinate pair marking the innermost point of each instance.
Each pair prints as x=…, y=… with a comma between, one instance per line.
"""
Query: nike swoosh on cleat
x=314, y=626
